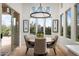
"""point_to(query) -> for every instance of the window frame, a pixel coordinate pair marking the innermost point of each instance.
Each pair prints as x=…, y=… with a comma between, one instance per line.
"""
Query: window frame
x=36, y=20
x=51, y=26
x=61, y=25
x=76, y=20
x=67, y=23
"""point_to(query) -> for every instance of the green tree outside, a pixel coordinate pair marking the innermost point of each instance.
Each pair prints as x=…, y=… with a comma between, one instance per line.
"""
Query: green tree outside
x=5, y=30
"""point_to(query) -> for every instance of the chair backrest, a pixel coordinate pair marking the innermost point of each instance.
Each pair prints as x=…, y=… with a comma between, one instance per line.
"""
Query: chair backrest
x=26, y=41
x=55, y=40
x=40, y=46
x=25, y=38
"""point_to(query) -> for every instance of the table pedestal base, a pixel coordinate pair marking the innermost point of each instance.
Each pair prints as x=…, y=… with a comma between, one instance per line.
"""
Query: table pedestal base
x=40, y=54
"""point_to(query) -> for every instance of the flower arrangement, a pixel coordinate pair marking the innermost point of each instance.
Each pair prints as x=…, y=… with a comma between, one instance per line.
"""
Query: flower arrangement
x=40, y=34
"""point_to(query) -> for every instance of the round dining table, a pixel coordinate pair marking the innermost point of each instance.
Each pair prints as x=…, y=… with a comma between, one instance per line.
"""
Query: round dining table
x=48, y=40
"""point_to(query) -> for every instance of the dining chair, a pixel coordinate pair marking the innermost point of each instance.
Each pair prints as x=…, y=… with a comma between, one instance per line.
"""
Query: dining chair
x=28, y=44
x=53, y=44
x=40, y=47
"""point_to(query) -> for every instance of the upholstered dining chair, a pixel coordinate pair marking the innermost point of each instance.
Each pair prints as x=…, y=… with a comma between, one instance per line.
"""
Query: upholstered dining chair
x=53, y=44
x=40, y=47
x=28, y=44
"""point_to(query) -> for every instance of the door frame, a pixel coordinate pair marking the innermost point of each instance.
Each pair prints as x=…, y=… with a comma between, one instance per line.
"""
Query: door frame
x=13, y=14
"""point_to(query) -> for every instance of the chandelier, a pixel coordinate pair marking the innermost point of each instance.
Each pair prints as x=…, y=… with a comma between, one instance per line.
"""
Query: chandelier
x=40, y=13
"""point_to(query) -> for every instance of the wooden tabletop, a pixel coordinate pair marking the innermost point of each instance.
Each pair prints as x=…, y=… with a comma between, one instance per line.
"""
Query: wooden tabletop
x=48, y=39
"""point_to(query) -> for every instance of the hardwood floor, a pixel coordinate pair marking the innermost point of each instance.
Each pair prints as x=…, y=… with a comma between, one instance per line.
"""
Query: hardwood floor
x=5, y=50
x=60, y=50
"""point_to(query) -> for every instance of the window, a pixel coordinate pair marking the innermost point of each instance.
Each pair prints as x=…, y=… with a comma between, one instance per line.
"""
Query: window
x=40, y=25
x=32, y=25
x=6, y=24
x=48, y=26
x=68, y=15
x=77, y=22
x=61, y=24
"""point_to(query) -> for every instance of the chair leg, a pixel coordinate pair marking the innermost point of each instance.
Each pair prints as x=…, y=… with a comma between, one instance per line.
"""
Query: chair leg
x=54, y=50
x=27, y=50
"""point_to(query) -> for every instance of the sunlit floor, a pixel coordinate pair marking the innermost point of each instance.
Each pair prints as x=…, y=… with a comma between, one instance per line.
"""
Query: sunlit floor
x=5, y=45
x=6, y=41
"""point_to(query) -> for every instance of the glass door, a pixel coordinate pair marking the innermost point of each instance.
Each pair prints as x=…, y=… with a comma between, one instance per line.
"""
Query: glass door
x=6, y=34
